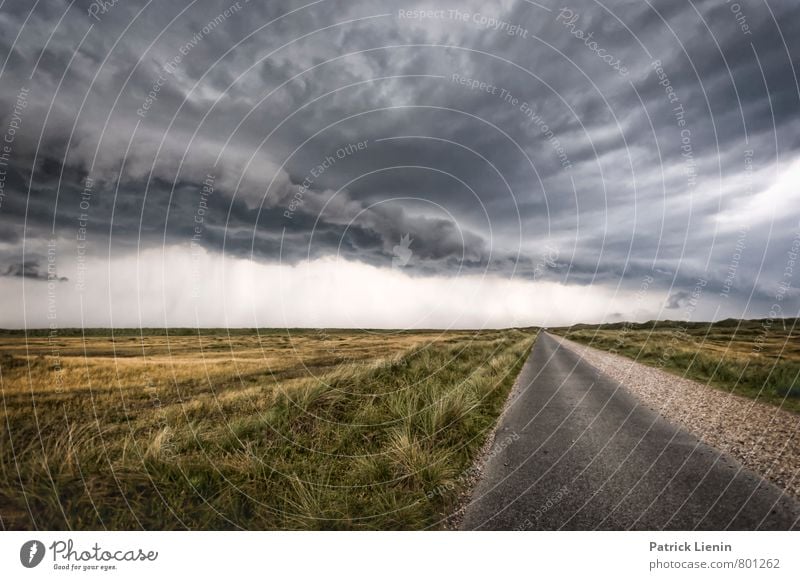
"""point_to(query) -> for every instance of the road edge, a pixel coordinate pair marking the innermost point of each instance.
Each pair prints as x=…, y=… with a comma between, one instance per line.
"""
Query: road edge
x=454, y=520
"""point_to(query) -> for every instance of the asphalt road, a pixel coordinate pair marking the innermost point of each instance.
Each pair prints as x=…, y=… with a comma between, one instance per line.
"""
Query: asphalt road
x=586, y=454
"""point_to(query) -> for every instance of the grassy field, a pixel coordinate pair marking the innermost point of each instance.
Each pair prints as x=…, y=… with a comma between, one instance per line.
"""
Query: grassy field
x=754, y=358
x=276, y=430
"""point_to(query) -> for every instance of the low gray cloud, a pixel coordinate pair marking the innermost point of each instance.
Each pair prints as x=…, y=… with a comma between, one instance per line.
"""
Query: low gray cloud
x=33, y=270
x=678, y=299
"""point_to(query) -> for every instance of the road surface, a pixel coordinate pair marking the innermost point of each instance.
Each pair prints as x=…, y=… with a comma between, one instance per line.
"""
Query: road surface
x=586, y=454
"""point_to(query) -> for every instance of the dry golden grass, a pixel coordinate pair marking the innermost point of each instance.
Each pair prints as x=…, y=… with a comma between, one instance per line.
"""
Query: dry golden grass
x=308, y=429
x=133, y=361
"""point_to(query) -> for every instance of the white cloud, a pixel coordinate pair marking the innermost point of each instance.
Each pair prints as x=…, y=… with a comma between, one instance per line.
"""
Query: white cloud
x=175, y=287
x=774, y=202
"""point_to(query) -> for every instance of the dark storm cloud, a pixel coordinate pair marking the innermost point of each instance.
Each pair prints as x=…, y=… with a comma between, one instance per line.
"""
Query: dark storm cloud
x=31, y=269
x=263, y=97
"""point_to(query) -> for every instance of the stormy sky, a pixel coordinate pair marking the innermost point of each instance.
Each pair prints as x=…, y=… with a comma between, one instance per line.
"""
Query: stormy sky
x=398, y=164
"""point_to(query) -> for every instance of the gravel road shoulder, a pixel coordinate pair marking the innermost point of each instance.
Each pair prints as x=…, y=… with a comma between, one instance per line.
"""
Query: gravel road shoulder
x=762, y=437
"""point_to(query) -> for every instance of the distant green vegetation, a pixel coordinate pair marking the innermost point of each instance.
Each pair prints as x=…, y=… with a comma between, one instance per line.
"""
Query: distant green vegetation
x=317, y=430
x=755, y=358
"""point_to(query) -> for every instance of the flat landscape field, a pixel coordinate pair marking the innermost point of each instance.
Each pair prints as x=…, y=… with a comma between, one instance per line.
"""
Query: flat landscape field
x=290, y=429
x=759, y=359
